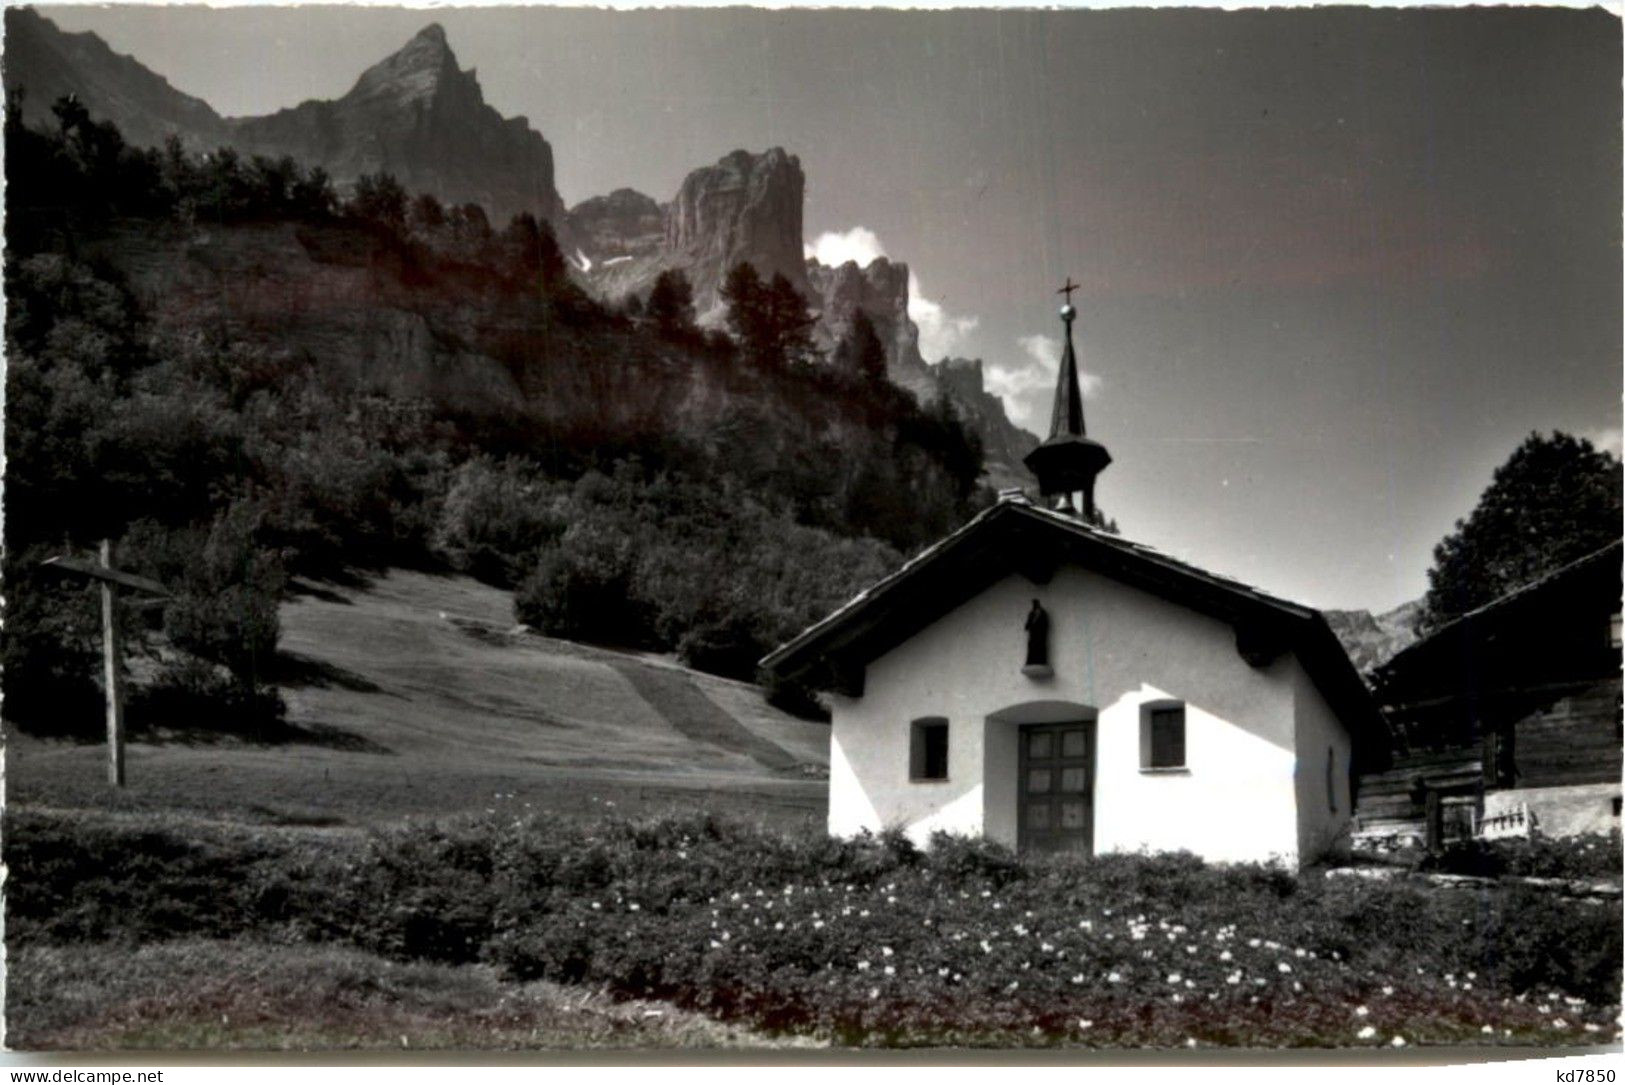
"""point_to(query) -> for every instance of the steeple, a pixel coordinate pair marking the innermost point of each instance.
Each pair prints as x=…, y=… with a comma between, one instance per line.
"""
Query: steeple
x=1068, y=461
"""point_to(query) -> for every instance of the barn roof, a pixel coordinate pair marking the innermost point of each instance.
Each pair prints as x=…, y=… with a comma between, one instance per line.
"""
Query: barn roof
x=1489, y=646
x=1015, y=536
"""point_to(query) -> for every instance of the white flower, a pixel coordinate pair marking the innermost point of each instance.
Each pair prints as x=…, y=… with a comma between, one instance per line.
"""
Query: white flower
x=890, y=971
x=1233, y=978
x=885, y=951
x=1225, y=956
x=1085, y=1024
x=1174, y=977
x=1283, y=968
x=1560, y=1024
x=1366, y=1033
x=1488, y=1030
x=1078, y=978
x=1360, y=1011
x=1114, y=977
x=1397, y=1041
x=1387, y=990
x=863, y=966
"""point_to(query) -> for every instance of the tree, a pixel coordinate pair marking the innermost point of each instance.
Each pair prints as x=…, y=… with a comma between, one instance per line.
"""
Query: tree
x=769, y=320
x=1556, y=499
x=427, y=213
x=535, y=248
x=790, y=322
x=671, y=304
x=380, y=198
x=746, y=298
x=860, y=351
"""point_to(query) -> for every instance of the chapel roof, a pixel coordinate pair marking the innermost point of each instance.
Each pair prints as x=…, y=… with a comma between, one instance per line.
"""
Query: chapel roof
x=1017, y=536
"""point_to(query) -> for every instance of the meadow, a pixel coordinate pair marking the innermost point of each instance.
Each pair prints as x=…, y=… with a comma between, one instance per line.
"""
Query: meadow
x=770, y=937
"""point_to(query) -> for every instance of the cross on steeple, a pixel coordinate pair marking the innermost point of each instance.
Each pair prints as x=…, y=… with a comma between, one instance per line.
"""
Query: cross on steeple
x=1068, y=288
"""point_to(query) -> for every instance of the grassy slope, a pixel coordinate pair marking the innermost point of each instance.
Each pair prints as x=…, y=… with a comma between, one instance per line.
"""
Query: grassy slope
x=417, y=700
x=247, y=995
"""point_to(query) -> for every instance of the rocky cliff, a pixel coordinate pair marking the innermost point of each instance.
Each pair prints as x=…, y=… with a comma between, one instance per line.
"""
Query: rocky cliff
x=419, y=116
x=881, y=291
x=1373, y=639
x=744, y=209
x=625, y=225
x=47, y=64
x=415, y=114
x=1004, y=444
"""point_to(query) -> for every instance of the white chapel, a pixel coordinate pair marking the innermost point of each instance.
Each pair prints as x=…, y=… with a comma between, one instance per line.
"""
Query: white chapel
x=1040, y=681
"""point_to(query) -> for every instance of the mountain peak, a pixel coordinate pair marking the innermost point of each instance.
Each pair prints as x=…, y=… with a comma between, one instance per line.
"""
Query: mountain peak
x=415, y=72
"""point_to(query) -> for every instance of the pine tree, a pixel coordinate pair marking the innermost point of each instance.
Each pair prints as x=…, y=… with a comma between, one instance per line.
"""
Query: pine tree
x=671, y=304
x=860, y=351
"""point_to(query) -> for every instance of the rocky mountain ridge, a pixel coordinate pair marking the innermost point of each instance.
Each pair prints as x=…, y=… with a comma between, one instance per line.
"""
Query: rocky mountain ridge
x=1373, y=639
x=415, y=114
x=419, y=116
x=748, y=208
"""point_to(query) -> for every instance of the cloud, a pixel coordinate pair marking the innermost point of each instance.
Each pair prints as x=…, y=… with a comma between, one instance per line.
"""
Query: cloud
x=1027, y=385
x=941, y=332
x=833, y=248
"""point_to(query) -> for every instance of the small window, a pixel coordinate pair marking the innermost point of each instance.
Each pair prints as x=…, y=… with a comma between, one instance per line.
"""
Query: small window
x=1615, y=640
x=1331, y=779
x=928, y=749
x=1162, y=744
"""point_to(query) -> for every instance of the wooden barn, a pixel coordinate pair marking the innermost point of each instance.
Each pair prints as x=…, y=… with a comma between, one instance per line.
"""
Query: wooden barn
x=1508, y=719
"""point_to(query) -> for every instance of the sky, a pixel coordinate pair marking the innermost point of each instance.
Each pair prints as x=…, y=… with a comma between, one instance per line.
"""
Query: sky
x=1335, y=263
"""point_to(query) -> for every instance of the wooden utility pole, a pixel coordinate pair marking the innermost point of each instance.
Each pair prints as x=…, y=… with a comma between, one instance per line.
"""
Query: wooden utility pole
x=114, y=674
x=110, y=580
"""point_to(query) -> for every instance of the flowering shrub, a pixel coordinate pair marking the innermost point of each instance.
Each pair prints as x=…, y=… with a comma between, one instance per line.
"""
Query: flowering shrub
x=1596, y=855
x=873, y=941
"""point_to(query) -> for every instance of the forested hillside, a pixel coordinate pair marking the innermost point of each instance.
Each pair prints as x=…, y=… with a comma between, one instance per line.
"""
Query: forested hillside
x=241, y=378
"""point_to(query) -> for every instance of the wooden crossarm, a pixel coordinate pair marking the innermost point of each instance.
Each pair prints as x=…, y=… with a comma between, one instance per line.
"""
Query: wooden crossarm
x=80, y=567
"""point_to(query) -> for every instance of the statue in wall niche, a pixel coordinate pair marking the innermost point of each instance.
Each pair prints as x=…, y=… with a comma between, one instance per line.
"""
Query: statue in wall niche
x=1037, y=626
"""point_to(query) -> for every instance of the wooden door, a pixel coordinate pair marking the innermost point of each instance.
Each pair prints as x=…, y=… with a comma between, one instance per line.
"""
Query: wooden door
x=1057, y=805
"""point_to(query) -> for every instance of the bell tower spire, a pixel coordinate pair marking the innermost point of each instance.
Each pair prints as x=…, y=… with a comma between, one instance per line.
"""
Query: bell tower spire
x=1069, y=460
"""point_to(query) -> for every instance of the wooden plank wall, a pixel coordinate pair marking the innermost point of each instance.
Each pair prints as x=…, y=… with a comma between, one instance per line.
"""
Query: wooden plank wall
x=1575, y=740
x=1390, y=796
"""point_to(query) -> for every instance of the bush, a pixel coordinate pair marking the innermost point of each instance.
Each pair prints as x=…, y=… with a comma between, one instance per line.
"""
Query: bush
x=1596, y=855
x=496, y=517
x=868, y=941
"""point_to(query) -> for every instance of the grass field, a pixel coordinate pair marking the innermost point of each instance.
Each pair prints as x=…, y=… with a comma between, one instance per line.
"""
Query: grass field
x=246, y=995
x=414, y=697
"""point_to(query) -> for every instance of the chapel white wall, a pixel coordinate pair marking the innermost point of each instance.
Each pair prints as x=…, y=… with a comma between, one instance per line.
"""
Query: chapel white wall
x=1322, y=817
x=1114, y=649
